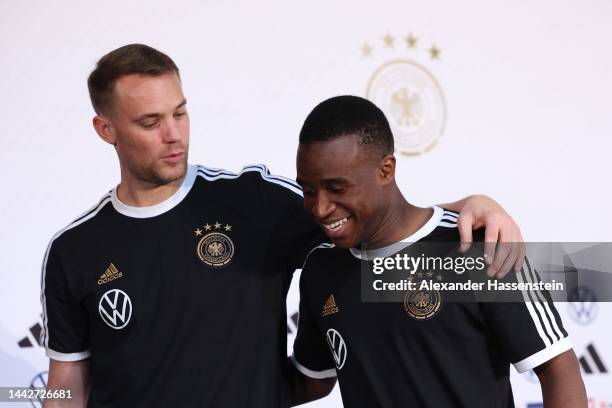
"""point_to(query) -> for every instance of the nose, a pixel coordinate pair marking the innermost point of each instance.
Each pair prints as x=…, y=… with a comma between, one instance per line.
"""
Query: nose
x=171, y=132
x=322, y=207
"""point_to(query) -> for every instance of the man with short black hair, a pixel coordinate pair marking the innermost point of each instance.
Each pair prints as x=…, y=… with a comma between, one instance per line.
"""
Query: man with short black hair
x=419, y=352
x=171, y=290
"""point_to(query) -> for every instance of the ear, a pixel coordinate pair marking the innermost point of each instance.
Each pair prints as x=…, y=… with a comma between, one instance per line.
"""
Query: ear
x=386, y=169
x=104, y=129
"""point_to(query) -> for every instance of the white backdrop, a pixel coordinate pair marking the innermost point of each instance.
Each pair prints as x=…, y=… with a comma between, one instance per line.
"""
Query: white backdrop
x=526, y=86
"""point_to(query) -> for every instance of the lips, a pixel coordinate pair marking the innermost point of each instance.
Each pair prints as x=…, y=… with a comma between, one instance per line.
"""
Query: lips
x=173, y=157
x=336, y=224
x=336, y=229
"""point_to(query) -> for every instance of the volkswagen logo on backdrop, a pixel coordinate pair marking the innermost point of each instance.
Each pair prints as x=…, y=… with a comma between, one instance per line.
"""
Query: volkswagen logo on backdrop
x=582, y=305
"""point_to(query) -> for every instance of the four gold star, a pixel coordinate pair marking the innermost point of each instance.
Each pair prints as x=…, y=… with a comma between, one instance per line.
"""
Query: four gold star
x=389, y=41
x=207, y=227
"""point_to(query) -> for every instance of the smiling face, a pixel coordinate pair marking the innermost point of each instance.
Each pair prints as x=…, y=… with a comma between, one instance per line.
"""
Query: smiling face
x=345, y=190
x=149, y=128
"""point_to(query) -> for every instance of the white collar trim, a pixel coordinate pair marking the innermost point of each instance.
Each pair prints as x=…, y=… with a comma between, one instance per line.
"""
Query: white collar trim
x=394, y=248
x=157, y=209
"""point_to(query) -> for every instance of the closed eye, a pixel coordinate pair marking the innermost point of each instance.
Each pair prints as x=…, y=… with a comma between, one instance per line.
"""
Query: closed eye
x=337, y=190
x=150, y=125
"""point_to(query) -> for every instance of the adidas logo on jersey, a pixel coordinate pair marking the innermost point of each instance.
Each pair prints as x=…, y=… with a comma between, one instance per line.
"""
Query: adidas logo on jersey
x=330, y=306
x=110, y=274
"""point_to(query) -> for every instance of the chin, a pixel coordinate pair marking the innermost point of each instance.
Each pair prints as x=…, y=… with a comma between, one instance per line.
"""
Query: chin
x=178, y=168
x=167, y=174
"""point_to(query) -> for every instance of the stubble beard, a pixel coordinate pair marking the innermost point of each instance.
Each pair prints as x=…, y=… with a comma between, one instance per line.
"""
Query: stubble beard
x=161, y=175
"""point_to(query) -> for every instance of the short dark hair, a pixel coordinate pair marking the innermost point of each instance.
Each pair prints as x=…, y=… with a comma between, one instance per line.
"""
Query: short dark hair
x=348, y=115
x=126, y=60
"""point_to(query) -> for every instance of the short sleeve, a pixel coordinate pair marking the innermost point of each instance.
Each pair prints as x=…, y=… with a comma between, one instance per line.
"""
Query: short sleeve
x=65, y=320
x=531, y=332
x=311, y=355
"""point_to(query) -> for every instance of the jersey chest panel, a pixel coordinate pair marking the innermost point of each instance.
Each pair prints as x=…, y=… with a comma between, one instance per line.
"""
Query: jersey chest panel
x=140, y=279
x=374, y=329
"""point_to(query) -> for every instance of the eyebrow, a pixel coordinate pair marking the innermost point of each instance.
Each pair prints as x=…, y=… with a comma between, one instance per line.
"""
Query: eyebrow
x=155, y=115
x=334, y=180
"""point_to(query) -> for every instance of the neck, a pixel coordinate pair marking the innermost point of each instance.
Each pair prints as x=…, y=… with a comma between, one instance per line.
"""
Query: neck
x=400, y=220
x=141, y=193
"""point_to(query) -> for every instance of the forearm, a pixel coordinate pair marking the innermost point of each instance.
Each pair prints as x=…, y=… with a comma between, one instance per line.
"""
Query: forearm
x=297, y=391
x=564, y=392
x=78, y=398
x=562, y=385
x=73, y=376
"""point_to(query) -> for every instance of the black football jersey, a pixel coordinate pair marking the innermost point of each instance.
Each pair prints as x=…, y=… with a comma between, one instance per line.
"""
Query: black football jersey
x=182, y=303
x=389, y=355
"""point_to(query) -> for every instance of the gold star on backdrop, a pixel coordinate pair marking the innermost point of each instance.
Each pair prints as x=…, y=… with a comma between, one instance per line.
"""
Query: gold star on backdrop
x=388, y=39
x=207, y=227
x=366, y=50
x=198, y=232
x=228, y=227
x=435, y=52
x=411, y=41
x=217, y=225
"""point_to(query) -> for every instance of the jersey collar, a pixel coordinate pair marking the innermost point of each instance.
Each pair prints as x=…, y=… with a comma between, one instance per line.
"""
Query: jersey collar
x=388, y=250
x=157, y=209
